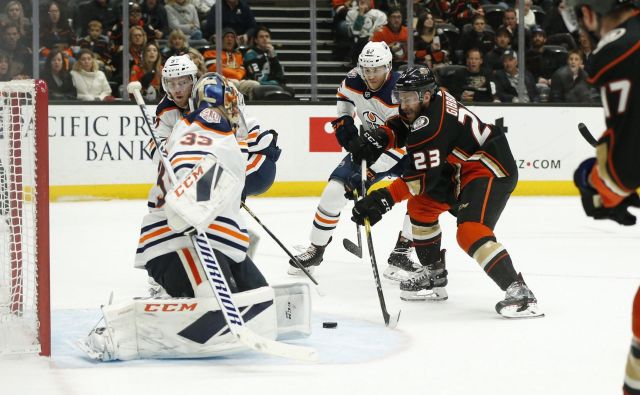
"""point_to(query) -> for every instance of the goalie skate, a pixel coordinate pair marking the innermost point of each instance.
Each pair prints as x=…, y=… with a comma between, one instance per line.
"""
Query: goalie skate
x=401, y=267
x=519, y=302
x=98, y=345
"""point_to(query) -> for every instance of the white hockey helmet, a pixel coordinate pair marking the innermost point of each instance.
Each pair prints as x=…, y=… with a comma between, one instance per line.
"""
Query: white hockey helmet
x=375, y=54
x=178, y=66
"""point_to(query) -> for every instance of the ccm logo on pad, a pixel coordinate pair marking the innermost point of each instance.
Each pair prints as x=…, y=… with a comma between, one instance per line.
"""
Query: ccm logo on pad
x=169, y=307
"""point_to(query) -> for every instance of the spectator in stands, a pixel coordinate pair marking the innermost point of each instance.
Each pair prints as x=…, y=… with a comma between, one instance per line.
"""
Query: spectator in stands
x=539, y=61
x=5, y=63
x=237, y=15
x=149, y=72
x=510, y=22
x=493, y=59
x=55, y=29
x=178, y=44
x=428, y=43
x=261, y=62
x=97, y=10
x=462, y=12
x=395, y=35
x=362, y=22
x=439, y=9
x=20, y=54
x=473, y=84
x=232, y=63
x=184, y=16
x=100, y=45
x=91, y=83
x=529, y=16
x=137, y=42
x=585, y=45
x=197, y=58
x=156, y=19
x=506, y=81
x=569, y=83
x=478, y=37
x=56, y=74
x=135, y=19
x=14, y=14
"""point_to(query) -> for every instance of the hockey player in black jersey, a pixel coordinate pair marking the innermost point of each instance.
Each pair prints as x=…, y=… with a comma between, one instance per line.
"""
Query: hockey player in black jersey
x=457, y=163
x=608, y=182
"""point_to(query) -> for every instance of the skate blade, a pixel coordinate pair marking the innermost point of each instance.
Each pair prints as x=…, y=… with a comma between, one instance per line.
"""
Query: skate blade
x=516, y=312
x=432, y=295
x=294, y=271
x=395, y=274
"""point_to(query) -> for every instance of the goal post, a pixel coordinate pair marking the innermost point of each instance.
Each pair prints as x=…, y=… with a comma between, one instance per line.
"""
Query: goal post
x=25, y=325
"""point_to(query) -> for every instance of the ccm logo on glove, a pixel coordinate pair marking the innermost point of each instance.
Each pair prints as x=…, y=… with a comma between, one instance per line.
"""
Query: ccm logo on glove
x=196, y=174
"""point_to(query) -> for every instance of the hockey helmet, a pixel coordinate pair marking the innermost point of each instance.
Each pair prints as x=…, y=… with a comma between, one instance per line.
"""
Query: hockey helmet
x=178, y=66
x=418, y=79
x=571, y=13
x=214, y=90
x=373, y=56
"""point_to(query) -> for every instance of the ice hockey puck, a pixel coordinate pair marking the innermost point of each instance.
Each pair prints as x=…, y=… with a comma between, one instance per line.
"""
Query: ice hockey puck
x=330, y=325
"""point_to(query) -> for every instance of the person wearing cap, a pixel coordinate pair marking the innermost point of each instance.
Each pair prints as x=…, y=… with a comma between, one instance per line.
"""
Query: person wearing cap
x=540, y=62
x=506, y=80
x=232, y=63
x=493, y=59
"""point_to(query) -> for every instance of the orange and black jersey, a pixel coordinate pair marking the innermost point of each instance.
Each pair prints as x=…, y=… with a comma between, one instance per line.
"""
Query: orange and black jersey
x=448, y=138
x=613, y=67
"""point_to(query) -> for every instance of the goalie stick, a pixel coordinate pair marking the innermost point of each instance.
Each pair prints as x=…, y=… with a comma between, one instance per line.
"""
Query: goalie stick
x=215, y=276
x=355, y=249
x=584, y=131
x=389, y=321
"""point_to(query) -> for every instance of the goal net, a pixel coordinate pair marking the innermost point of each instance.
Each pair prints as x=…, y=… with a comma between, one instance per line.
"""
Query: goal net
x=24, y=218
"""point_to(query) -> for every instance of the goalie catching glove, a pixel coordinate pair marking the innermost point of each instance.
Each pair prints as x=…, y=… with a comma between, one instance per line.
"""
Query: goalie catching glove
x=369, y=146
x=200, y=196
x=372, y=207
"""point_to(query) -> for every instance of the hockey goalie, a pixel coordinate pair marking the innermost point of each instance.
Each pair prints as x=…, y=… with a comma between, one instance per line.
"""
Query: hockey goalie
x=209, y=162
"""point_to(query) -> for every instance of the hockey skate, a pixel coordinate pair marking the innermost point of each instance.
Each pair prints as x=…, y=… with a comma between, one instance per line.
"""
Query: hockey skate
x=98, y=345
x=519, y=302
x=401, y=267
x=427, y=284
x=310, y=258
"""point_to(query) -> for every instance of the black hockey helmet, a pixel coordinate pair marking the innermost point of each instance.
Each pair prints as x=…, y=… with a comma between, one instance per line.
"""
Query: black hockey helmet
x=419, y=79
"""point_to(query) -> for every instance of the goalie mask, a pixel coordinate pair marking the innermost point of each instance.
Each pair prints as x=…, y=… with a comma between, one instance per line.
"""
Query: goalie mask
x=178, y=77
x=214, y=90
x=374, y=64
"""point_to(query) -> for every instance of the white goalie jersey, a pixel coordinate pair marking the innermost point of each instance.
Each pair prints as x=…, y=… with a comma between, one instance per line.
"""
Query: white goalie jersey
x=197, y=135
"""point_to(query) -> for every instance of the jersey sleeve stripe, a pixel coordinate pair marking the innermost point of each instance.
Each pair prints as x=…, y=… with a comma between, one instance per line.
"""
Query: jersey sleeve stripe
x=153, y=234
x=229, y=232
x=613, y=63
x=184, y=159
x=142, y=248
x=256, y=162
x=180, y=153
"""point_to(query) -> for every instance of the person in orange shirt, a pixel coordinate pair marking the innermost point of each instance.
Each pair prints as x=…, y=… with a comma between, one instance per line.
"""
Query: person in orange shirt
x=394, y=33
x=232, y=63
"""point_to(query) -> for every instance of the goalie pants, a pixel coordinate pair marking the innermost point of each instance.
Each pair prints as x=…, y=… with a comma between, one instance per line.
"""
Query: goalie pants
x=169, y=271
x=477, y=208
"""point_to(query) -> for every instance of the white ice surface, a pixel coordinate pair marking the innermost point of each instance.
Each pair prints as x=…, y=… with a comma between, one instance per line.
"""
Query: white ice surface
x=583, y=272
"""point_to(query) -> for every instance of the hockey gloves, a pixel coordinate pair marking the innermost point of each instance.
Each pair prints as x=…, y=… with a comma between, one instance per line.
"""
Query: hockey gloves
x=345, y=130
x=354, y=183
x=592, y=203
x=372, y=207
x=369, y=146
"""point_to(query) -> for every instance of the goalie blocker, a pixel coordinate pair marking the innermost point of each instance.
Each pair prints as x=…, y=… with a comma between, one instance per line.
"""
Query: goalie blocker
x=195, y=327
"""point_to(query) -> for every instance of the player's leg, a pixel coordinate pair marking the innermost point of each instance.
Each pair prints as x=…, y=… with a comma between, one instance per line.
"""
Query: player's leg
x=326, y=218
x=429, y=282
x=481, y=203
x=632, y=371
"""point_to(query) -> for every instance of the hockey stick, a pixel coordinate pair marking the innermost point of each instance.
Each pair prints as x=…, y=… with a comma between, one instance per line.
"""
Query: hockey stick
x=295, y=260
x=216, y=278
x=389, y=321
x=584, y=131
x=350, y=245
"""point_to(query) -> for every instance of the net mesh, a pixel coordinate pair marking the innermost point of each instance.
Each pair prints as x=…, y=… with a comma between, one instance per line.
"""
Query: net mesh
x=19, y=322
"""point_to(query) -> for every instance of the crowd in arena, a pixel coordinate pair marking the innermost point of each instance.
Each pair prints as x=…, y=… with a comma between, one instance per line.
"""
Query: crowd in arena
x=470, y=44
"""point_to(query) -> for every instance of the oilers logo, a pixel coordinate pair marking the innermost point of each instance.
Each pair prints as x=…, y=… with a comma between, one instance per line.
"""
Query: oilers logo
x=373, y=120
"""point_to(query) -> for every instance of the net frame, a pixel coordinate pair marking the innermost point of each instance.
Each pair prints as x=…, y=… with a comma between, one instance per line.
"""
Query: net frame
x=25, y=324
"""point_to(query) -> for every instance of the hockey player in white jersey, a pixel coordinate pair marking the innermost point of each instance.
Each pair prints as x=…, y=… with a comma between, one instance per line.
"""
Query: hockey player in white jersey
x=190, y=324
x=366, y=91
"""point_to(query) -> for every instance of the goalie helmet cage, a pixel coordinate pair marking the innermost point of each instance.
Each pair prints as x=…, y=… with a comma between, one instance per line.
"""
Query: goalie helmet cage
x=25, y=326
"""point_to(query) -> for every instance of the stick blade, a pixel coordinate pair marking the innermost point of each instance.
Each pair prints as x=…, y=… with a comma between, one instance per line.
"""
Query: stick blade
x=392, y=321
x=586, y=134
x=352, y=247
x=267, y=346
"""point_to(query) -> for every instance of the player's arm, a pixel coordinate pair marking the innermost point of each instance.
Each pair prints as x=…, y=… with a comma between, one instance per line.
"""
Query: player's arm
x=343, y=126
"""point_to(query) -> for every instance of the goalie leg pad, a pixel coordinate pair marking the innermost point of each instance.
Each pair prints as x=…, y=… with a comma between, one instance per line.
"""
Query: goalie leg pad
x=293, y=310
x=177, y=328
